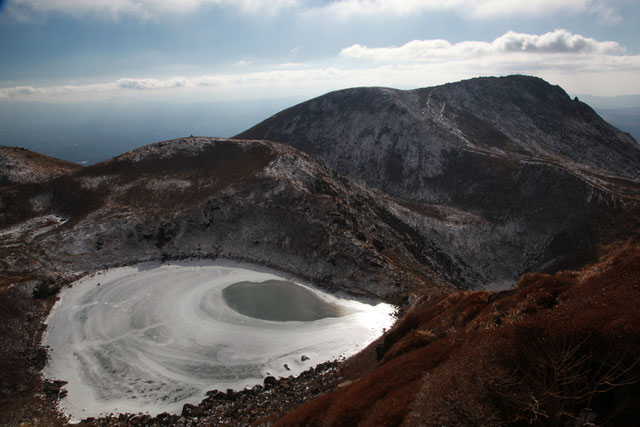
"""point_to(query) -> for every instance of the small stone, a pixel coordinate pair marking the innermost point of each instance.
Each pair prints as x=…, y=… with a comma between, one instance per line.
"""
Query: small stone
x=270, y=381
x=285, y=385
x=303, y=358
x=163, y=416
x=287, y=367
x=189, y=410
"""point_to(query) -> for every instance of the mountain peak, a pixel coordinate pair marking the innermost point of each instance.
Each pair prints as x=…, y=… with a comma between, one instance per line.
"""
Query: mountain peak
x=510, y=152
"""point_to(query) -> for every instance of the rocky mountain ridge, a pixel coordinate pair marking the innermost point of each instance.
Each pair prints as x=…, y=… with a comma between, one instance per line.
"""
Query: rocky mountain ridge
x=518, y=116
x=525, y=168
x=253, y=201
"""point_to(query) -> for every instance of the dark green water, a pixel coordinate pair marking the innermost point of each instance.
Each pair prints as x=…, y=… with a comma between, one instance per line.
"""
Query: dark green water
x=280, y=301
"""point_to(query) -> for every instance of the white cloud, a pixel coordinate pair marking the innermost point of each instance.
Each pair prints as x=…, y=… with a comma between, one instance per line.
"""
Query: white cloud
x=579, y=64
x=340, y=9
x=613, y=76
x=24, y=90
x=556, y=42
x=139, y=8
x=344, y=9
x=150, y=84
x=569, y=59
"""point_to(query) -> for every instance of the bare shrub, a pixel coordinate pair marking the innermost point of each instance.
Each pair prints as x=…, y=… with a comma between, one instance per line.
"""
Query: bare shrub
x=557, y=379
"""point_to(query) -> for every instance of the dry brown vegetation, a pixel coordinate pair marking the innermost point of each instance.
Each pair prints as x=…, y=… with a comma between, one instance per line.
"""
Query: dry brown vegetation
x=19, y=165
x=217, y=167
x=24, y=395
x=557, y=350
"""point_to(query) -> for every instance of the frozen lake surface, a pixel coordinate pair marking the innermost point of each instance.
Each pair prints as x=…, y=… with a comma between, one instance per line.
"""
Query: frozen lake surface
x=150, y=338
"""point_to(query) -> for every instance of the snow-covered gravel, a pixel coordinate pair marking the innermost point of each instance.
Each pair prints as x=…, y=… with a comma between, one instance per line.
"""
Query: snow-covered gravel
x=152, y=337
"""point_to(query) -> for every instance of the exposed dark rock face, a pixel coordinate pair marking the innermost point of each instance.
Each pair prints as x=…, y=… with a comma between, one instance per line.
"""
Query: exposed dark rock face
x=499, y=172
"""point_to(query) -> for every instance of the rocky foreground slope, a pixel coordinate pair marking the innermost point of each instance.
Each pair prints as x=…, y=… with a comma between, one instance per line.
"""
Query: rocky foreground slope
x=558, y=350
x=508, y=174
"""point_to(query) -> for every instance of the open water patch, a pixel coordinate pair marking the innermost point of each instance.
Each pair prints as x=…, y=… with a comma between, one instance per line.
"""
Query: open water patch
x=154, y=337
x=280, y=301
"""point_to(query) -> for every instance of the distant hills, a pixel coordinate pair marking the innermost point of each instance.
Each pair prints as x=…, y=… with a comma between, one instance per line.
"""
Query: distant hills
x=621, y=111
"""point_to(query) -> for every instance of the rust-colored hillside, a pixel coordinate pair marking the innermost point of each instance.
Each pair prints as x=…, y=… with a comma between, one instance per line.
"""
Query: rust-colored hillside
x=19, y=166
x=557, y=350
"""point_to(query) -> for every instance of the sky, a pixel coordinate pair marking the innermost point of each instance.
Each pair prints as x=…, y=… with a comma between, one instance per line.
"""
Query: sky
x=93, y=54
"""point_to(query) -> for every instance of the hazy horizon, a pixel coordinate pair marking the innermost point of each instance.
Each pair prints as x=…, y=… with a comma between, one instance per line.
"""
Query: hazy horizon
x=87, y=79
x=92, y=132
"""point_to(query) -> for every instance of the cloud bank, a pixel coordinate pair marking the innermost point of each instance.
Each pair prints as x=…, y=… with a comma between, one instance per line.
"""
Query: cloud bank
x=472, y=8
x=580, y=64
x=137, y=8
x=556, y=42
x=336, y=9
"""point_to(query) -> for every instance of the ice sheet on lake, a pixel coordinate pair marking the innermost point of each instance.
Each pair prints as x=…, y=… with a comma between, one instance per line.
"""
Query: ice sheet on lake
x=150, y=338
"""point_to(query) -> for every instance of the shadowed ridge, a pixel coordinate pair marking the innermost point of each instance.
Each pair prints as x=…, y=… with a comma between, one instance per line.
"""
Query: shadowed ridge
x=541, y=120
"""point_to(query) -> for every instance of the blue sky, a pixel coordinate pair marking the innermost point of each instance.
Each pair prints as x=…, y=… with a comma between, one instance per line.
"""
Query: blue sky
x=97, y=54
x=75, y=50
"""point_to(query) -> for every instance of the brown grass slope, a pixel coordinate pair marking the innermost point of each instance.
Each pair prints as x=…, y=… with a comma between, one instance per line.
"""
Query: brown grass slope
x=19, y=166
x=557, y=350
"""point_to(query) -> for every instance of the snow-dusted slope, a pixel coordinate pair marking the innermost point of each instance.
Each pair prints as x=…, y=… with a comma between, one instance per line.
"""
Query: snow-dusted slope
x=19, y=165
x=467, y=185
x=255, y=201
x=507, y=174
x=400, y=141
